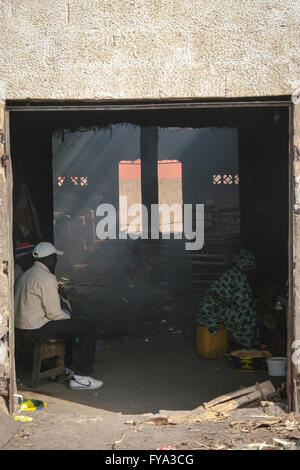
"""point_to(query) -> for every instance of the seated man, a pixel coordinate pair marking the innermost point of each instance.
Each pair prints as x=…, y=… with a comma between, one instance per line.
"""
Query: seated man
x=24, y=261
x=38, y=315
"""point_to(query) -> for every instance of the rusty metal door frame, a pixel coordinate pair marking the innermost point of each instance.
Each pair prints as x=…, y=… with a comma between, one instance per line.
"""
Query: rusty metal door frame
x=143, y=106
x=294, y=152
x=7, y=264
x=290, y=384
x=12, y=368
x=294, y=261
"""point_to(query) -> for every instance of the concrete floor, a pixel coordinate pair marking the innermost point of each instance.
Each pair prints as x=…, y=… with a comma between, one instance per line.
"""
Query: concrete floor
x=145, y=375
x=142, y=376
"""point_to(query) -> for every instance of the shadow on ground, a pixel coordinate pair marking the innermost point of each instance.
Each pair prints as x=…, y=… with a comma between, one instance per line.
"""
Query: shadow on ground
x=145, y=375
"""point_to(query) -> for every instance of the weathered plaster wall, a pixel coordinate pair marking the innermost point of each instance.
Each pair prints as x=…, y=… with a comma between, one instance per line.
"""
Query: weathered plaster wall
x=135, y=49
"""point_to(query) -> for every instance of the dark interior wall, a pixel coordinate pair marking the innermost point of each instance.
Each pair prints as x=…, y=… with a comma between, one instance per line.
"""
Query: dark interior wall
x=203, y=152
x=32, y=165
x=263, y=151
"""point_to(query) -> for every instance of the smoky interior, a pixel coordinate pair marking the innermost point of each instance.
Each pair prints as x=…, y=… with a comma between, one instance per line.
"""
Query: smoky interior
x=231, y=161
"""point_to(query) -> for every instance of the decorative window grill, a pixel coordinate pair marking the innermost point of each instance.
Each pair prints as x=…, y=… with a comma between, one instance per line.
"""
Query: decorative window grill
x=217, y=179
x=83, y=181
x=225, y=179
x=76, y=180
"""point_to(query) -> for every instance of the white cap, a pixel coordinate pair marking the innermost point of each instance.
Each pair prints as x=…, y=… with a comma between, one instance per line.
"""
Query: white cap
x=44, y=249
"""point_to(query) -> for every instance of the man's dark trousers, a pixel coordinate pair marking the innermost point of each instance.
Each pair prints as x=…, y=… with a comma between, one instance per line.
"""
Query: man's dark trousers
x=81, y=328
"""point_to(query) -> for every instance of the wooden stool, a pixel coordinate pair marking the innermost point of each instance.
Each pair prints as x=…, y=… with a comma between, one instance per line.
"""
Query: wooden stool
x=46, y=350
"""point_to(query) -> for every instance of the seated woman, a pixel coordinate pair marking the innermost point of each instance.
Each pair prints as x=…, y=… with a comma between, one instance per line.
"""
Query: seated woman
x=229, y=302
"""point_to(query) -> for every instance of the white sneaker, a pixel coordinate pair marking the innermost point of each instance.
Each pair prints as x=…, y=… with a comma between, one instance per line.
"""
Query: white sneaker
x=84, y=383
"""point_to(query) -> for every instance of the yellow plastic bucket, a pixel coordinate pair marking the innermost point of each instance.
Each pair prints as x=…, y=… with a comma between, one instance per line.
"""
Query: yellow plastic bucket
x=211, y=346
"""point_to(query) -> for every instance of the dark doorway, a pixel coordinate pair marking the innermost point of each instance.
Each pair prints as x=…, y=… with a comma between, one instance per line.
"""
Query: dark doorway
x=234, y=161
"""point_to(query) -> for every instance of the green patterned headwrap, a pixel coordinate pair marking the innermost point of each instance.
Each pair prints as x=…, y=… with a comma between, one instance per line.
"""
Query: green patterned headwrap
x=245, y=260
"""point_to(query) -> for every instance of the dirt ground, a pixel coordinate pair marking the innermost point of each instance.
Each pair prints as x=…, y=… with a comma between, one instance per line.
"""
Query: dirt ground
x=145, y=379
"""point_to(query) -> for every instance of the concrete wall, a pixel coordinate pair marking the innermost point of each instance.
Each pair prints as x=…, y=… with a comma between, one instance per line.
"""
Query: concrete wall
x=135, y=49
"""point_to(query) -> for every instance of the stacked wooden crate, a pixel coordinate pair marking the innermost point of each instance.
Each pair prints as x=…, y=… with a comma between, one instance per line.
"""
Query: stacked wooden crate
x=230, y=226
x=221, y=241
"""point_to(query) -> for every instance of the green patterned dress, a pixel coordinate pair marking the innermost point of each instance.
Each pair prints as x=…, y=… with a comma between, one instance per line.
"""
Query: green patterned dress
x=229, y=302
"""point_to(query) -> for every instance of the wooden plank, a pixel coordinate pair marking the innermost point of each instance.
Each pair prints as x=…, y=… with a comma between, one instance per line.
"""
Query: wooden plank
x=197, y=281
x=204, y=255
x=214, y=413
x=230, y=396
x=265, y=389
x=237, y=403
x=208, y=264
x=212, y=410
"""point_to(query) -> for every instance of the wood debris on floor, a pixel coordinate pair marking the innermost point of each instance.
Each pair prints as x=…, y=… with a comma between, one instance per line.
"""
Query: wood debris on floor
x=218, y=408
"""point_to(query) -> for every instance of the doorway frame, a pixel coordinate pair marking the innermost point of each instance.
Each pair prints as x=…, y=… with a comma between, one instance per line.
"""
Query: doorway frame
x=293, y=314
